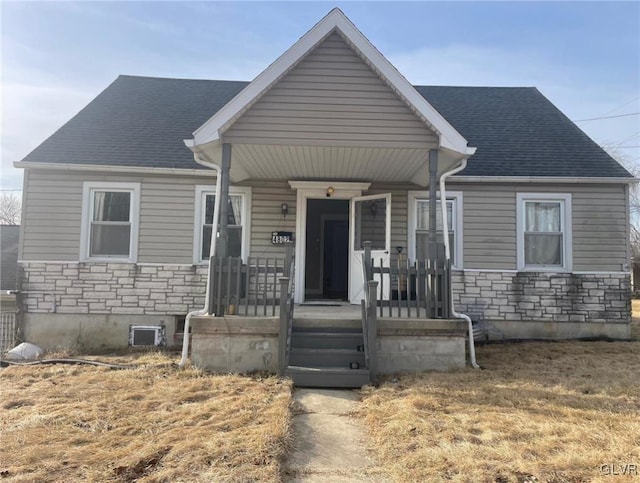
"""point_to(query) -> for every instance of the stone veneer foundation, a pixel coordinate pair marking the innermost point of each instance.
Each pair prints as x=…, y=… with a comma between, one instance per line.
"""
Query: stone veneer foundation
x=113, y=288
x=546, y=305
x=95, y=303
x=520, y=304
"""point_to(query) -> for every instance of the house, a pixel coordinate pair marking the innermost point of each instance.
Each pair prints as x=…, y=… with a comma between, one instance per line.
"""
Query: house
x=328, y=148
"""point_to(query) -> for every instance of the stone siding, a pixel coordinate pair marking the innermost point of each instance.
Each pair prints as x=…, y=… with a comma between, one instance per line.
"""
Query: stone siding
x=543, y=296
x=113, y=288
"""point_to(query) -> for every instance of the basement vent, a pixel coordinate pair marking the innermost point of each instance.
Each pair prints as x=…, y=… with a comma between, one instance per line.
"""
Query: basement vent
x=147, y=335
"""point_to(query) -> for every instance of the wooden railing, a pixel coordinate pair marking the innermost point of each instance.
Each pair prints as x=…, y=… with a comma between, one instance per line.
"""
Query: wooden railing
x=414, y=289
x=251, y=288
x=370, y=327
x=286, y=316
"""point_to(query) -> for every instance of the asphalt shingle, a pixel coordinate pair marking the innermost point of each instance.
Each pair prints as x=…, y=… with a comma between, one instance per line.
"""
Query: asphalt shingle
x=141, y=121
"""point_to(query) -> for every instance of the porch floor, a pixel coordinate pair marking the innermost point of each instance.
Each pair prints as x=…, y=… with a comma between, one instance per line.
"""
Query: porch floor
x=332, y=310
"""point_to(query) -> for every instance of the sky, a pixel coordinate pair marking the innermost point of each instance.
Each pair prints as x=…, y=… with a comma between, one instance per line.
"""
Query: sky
x=57, y=56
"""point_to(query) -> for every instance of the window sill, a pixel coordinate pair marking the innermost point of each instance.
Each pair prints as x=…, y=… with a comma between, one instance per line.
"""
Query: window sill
x=545, y=269
x=108, y=260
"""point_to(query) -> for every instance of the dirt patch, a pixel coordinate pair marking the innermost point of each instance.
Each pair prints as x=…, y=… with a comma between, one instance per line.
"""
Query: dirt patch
x=152, y=423
x=538, y=412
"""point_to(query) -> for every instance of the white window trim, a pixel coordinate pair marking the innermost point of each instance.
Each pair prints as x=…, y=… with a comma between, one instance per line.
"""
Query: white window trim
x=88, y=188
x=201, y=191
x=566, y=226
x=457, y=196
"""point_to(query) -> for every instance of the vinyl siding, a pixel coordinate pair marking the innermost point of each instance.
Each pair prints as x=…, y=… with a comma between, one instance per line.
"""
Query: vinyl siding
x=53, y=206
x=599, y=224
x=399, y=212
x=53, y=211
x=266, y=215
x=332, y=97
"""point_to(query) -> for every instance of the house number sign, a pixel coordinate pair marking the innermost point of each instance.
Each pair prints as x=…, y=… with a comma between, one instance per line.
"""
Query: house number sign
x=281, y=237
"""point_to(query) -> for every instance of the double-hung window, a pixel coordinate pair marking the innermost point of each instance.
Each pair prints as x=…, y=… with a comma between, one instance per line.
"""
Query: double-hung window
x=237, y=221
x=419, y=226
x=544, y=231
x=110, y=221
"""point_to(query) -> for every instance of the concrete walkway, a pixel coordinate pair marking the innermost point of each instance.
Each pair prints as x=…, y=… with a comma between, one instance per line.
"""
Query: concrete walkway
x=328, y=443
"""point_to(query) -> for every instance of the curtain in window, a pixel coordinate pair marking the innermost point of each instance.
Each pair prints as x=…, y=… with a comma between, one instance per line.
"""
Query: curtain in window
x=423, y=215
x=110, y=226
x=542, y=217
x=235, y=210
x=234, y=221
x=543, y=249
x=422, y=230
x=543, y=233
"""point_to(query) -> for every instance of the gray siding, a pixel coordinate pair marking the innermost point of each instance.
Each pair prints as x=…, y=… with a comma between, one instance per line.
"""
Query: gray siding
x=599, y=224
x=266, y=216
x=52, y=214
x=53, y=211
x=53, y=206
x=399, y=211
x=332, y=97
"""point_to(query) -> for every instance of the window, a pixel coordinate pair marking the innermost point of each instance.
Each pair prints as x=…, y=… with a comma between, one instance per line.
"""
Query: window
x=237, y=220
x=419, y=226
x=544, y=237
x=110, y=221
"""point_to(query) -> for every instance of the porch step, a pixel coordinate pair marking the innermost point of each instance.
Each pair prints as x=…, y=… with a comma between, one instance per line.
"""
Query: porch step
x=327, y=376
x=328, y=321
x=327, y=338
x=325, y=357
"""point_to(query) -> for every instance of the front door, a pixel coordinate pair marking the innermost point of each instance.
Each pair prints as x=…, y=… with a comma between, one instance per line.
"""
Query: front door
x=370, y=221
x=327, y=249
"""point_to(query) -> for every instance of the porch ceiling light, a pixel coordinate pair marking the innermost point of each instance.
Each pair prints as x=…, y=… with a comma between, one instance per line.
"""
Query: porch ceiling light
x=330, y=191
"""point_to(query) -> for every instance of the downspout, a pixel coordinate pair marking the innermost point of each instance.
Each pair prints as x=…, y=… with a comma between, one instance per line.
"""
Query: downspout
x=447, y=251
x=214, y=233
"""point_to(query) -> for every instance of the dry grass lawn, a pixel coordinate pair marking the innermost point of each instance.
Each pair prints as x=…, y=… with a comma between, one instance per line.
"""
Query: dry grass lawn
x=539, y=412
x=153, y=423
x=635, y=320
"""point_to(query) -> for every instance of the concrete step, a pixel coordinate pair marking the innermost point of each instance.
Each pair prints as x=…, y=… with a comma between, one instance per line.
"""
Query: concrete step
x=329, y=338
x=325, y=357
x=320, y=321
x=327, y=376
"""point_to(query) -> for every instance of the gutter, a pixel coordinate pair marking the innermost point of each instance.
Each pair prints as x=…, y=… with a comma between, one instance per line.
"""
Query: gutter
x=214, y=234
x=447, y=251
x=544, y=179
x=109, y=168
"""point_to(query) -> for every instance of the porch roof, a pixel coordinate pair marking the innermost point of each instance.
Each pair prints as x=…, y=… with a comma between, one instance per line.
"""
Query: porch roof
x=335, y=24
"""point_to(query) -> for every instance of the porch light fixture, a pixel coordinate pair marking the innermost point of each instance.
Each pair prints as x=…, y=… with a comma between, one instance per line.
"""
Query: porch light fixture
x=284, y=208
x=330, y=191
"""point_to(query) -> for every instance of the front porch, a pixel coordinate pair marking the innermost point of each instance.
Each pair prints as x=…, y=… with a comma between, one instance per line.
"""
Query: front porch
x=336, y=122
x=326, y=345
x=403, y=323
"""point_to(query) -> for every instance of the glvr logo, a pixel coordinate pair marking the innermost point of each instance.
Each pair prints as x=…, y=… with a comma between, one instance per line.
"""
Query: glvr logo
x=614, y=469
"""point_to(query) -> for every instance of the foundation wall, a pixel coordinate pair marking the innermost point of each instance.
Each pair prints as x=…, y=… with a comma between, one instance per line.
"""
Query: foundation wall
x=546, y=305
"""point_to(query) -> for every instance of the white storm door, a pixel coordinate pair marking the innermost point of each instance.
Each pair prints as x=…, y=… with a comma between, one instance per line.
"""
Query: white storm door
x=370, y=221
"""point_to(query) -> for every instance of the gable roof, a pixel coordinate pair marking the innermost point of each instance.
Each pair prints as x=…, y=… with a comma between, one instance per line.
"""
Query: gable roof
x=334, y=21
x=141, y=122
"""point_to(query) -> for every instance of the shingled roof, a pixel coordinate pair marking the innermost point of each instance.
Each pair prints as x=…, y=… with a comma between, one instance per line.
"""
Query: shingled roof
x=141, y=121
